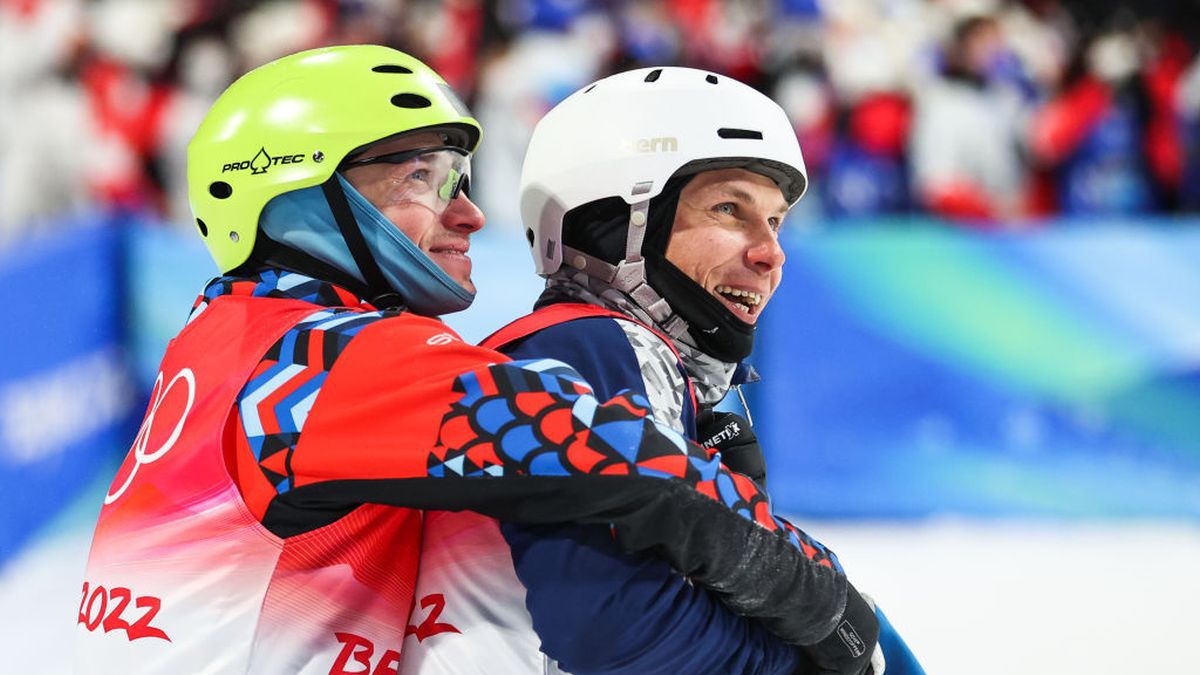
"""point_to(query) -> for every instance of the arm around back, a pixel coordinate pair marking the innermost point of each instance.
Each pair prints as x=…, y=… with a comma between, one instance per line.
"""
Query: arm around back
x=411, y=416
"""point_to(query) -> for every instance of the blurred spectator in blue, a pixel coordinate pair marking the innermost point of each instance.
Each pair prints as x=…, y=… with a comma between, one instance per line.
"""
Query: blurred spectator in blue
x=867, y=174
x=867, y=52
x=965, y=146
x=647, y=36
x=1189, y=122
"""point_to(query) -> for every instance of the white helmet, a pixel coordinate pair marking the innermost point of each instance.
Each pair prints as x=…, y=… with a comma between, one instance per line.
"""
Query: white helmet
x=619, y=141
x=627, y=134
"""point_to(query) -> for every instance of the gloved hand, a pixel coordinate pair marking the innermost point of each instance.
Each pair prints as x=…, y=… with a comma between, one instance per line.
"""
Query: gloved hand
x=852, y=646
x=731, y=435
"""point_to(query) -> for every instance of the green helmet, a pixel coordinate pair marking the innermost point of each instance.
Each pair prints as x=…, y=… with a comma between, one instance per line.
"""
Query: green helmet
x=288, y=124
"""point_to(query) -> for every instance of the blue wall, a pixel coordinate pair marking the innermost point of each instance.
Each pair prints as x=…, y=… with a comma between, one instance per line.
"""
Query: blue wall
x=66, y=398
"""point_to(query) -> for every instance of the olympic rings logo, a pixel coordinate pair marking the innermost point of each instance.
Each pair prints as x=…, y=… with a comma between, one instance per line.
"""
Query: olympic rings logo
x=142, y=439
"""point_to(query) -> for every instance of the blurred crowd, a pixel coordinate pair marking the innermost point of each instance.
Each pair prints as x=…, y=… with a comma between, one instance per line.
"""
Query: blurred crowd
x=989, y=113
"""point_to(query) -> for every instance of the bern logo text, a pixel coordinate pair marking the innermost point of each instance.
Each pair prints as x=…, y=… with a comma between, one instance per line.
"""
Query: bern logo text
x=660, y=144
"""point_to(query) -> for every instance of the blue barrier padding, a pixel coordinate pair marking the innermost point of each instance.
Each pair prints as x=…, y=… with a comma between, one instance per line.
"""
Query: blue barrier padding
x=66, y=399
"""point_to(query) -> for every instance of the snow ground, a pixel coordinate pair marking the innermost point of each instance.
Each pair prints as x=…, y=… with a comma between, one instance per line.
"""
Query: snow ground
x=1020, y=598
x=971, y=597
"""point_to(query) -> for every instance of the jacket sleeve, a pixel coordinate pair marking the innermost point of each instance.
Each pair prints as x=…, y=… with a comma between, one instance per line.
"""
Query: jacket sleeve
x=598, y=610
x=411, y=416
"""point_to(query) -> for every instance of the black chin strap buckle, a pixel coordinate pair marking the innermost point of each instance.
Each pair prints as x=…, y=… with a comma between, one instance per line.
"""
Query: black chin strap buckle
x=388, y=301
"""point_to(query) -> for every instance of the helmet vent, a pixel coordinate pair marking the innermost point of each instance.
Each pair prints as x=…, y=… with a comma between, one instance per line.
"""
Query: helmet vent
x=202, y=227
x=392, y=68
x=529, y=235
x=711, y=79
x=220, y=189
x=652, y=76
x=726, y=132
x=589, y=89
x=410, y=101
x=551, y=247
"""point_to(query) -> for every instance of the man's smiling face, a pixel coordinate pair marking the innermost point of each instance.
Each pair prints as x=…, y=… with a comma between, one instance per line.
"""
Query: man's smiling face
x=726, y=238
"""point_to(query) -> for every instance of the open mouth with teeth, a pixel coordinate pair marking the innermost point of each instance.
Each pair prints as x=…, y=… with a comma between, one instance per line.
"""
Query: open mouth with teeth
x=746, y=303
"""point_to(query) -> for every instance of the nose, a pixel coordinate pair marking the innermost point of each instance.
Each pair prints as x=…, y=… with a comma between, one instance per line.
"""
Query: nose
x=462, y=215
x=765, y=254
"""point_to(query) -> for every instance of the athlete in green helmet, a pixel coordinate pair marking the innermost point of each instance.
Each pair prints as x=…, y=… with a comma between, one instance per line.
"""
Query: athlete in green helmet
x=285, y=165
x=314, y=418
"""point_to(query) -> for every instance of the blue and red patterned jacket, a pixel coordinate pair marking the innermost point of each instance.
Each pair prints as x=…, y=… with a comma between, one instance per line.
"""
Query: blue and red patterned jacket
x=275, y=511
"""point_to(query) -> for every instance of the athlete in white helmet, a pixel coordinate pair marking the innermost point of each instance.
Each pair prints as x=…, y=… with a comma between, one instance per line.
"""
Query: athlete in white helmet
x=652, y=201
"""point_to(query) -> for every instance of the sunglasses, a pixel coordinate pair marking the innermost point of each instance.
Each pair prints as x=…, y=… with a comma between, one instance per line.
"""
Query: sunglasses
x=448, y=168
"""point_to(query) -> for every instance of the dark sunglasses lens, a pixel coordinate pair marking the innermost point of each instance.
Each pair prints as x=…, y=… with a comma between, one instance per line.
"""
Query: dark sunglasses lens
x=463, y=187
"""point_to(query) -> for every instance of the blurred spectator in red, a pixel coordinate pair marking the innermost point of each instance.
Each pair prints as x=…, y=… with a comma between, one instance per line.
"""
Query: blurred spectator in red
x=447, y=34
x=1111, y=134
x=723, y=36
x=855, y=141
x=965, y=145
x=867, y=173
x=1165, y=55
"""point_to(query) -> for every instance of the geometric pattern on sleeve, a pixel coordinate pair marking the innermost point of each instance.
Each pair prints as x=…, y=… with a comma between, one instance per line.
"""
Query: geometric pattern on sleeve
x=274, y=404
x=538, y=418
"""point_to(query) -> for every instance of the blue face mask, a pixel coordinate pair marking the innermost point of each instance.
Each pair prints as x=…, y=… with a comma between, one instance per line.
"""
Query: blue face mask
x=302, y=220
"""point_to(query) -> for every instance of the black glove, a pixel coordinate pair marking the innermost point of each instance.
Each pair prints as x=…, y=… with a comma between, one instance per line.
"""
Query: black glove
x=731, y=435
x=848, y=649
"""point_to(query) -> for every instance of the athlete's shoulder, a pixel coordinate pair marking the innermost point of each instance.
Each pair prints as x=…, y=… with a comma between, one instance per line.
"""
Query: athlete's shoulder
x=601, y=325
x=582, y=328
x=416, y=343
x=586, y=343
x=416, y=328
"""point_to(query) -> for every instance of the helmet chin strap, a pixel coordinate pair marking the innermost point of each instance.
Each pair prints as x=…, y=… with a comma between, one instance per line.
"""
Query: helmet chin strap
x=674, y=300
x=382, y=296
x=629, y=276
x=712, y=327
x=639, y=217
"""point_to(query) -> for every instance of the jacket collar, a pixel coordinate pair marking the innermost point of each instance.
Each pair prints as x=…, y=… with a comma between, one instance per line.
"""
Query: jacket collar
x=276, y=283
